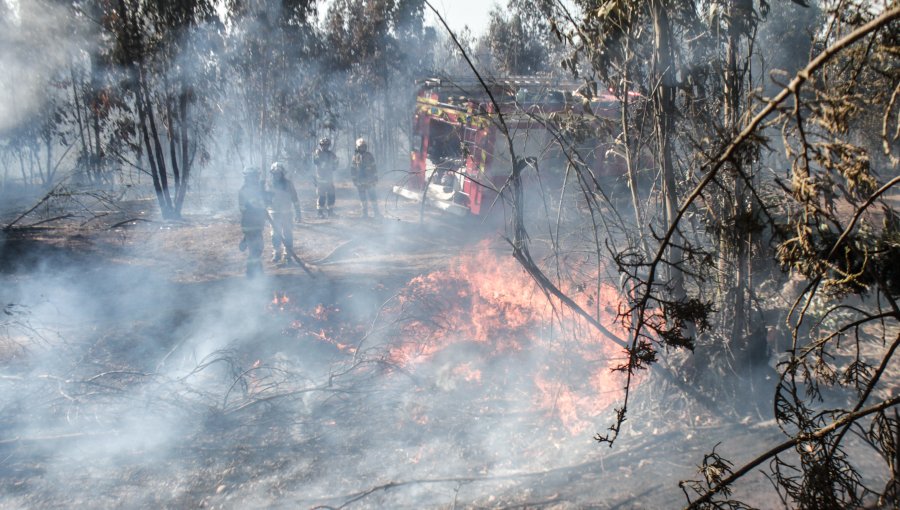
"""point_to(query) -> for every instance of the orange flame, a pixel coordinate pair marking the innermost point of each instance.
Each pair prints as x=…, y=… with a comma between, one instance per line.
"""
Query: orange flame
x=280, y=299
x=322, y=323
x=489, y=302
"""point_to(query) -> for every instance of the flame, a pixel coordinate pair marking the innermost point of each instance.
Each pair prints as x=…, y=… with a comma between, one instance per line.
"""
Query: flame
x=479, y=296
x=322, y=313
x=280, y=300
x=481, y=326
x=491, y=305
x=323, y=323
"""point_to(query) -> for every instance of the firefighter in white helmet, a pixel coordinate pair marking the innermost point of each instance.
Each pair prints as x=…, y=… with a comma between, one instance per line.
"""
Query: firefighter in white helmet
x=283, y=197
x=365, y=178
x=326, y=164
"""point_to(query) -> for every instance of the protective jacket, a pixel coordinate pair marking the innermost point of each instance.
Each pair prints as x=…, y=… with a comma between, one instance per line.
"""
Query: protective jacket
x=284, y=197
x=326, y=164
x=252, y=203
x=363, y=171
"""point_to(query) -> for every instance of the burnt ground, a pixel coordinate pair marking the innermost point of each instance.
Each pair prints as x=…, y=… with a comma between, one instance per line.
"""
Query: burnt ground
x=140, y=368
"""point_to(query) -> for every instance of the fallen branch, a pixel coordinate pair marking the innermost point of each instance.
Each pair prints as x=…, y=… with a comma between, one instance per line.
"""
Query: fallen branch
x=48, y=220
x=50, y=194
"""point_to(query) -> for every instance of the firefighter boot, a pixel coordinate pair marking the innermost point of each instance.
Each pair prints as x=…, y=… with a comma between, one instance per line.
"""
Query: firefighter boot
x=277, y=256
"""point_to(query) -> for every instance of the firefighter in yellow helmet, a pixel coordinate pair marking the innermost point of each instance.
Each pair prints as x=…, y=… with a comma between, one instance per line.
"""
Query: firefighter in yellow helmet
x=365, y=178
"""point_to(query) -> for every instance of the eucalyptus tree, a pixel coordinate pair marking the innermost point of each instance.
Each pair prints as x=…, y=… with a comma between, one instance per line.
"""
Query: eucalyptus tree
x=376, y=52
x=169, y=50
x=519, y=38
x=273, y=85
x=682, y=73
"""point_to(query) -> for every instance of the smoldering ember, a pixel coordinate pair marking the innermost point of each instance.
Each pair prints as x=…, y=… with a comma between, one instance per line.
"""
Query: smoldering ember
x=351, y=254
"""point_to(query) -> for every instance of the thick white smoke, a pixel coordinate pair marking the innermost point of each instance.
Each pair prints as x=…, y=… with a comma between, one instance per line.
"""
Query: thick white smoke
x=38, y=41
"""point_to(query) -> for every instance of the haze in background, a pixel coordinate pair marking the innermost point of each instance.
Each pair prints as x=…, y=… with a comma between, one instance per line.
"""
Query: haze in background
x=460, y=14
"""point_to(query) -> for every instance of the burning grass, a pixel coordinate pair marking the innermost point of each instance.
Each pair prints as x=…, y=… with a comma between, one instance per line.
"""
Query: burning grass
x=481, y=330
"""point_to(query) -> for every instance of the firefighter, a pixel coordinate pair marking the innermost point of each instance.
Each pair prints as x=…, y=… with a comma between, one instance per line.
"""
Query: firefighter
x=365, y=178
x=252, y=204
x=326, y=163
x=282, y=197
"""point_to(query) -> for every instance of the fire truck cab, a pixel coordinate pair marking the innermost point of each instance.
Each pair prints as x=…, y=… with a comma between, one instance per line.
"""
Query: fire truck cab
x=459, y=159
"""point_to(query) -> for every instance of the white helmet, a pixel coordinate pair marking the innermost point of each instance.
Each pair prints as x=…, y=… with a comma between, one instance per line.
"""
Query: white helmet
x=277, y=168
x=360, y=142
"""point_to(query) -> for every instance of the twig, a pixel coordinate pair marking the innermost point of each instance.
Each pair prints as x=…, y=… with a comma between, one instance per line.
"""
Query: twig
x=48, y=220
x=801, y=438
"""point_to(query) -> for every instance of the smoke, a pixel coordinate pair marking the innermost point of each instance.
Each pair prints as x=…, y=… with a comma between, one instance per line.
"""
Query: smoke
x=145, y=378
x=142, y=369
x=132, y=385
x=37, y=40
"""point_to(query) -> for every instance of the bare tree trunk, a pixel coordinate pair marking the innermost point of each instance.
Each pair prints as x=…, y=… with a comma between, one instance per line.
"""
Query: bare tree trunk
x=5, y=172
x=170, y=132
x=48, y=179
x=22, y=167
x=98, y=150
x=153, y=137
x=263, y=127
x=181, y=191
x=154, y=170
x=664, y=104
x=629, y=162
x=738, y=12
x=85, y=148
x=145, y=122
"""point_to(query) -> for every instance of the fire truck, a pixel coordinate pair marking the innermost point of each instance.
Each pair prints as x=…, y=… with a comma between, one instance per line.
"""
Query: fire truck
x=459, y=159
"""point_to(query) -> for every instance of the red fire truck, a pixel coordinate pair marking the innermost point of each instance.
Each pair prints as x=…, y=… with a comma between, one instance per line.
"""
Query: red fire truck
x=459, y=158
